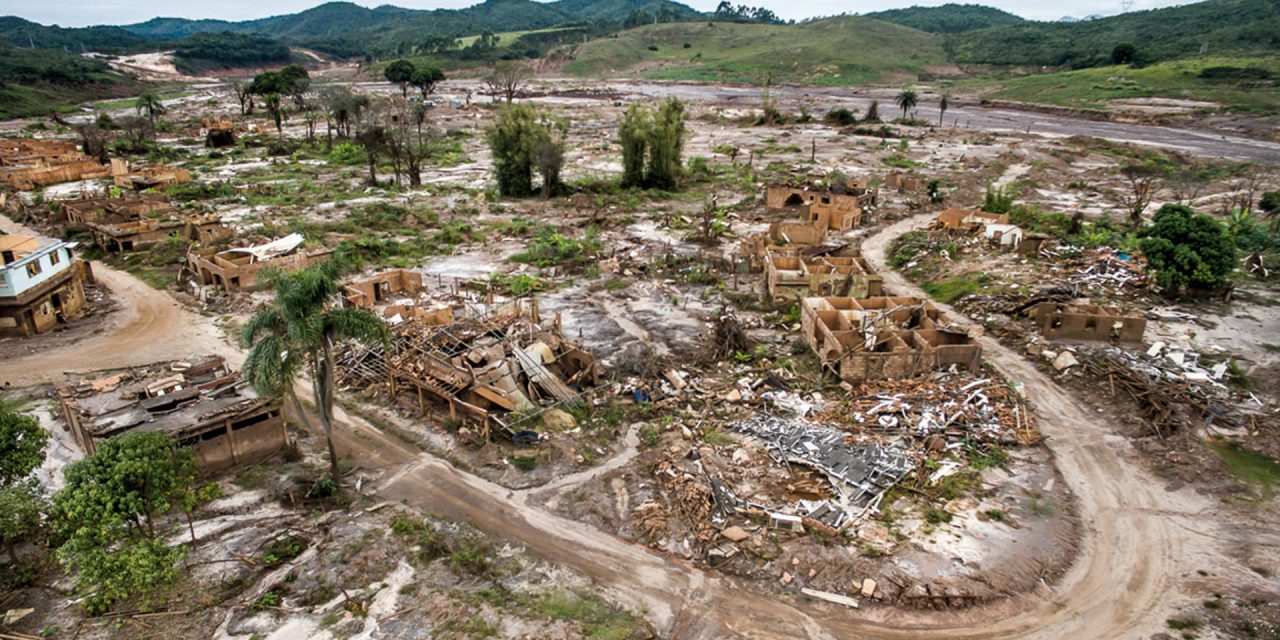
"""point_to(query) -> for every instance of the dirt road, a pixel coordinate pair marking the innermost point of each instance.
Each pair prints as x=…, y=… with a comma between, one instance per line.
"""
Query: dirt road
x=1139, y=538
x=149, y=327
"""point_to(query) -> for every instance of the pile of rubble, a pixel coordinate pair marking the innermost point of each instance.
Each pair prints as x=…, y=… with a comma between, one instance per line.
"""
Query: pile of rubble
x=1106, y=270
x=860, y=474
x=1171, y=387
x=949, y=405
x=501, y=371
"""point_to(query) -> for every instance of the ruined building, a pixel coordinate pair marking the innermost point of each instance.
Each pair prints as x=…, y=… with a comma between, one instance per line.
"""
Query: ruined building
x=238, y=269
x=1088, y=322
x=499, y=373
x=203, y=405
x=837, y=209
x=218, y=131
x=146, y=177
x=393, y=295
x=883, y=338
x=40, y=285
x=969, y=219
x=794, y=272
x=138, y=234
x=70, y=216
x=27, y=163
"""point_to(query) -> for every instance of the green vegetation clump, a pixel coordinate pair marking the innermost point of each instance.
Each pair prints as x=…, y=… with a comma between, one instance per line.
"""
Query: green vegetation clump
x=550, y=248
x=1188, y=250
x=1254, y=469
x=952, y=289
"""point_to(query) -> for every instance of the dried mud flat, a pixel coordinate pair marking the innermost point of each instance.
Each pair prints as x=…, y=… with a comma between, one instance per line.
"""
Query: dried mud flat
x=1088, y=543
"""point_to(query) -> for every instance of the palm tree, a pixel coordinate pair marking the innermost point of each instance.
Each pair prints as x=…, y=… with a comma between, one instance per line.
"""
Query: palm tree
x=297, y=332
x=150, y=103
x=907, y=100
x=942, y=108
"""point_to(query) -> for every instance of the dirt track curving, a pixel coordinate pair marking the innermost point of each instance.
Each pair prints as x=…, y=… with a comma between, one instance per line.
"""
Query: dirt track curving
x=1138, y=538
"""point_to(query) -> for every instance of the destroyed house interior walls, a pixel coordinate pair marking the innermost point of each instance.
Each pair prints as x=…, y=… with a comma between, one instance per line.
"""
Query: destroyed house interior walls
x=1088, y=322
x=883, y=338
x=826, y=209
x=236, y=270
x=39, y=285
x=204, y=406
x=794, y=272
x=28, y=163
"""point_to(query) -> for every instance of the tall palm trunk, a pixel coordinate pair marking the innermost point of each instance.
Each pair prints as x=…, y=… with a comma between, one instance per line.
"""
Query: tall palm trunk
x=322, y=367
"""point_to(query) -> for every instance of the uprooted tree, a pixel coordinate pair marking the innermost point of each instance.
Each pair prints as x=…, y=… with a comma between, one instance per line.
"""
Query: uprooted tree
x=1188, y=250
x=652, y=145
x=521, y=141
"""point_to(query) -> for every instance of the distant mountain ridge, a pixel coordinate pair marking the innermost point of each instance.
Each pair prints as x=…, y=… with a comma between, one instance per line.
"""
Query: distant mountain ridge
x=345, y=19
x=948, y=18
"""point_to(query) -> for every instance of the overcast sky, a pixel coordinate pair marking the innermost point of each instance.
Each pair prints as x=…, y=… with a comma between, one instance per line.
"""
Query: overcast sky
x=78, y=13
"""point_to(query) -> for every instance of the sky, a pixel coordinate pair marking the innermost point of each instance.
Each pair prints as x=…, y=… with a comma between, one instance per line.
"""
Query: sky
x=79, y=13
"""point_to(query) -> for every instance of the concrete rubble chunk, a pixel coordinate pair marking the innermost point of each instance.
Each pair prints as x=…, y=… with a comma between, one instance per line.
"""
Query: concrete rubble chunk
x=1064, y=361
x=735, y=534
x=868, y=588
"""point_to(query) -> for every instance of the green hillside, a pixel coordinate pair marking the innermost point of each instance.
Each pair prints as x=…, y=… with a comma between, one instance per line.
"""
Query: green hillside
x=36, y=81
x=948, y=18
x=24, y=33
x=1250, y=84
x=1215, y=27
x=835, y=51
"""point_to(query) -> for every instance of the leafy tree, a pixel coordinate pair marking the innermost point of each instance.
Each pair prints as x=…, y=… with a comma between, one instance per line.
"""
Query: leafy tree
x=22, y=444
x=21, y=510
x=906, y=100
x=1187, y=249
x=298, y=332
x=633, y=132
x=425, y=79
x=1124, y=53
x=514, y=139
x=345, y=108
x=998, y=199
x=106, y=513
x=149, y=103
x=666, y=146
x=400, y=72
x=652, y=145
x=294, y=82
x=548, y=155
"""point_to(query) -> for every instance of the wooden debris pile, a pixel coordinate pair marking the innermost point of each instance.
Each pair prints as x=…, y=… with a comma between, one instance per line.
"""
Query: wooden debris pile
x=502, y=371
x=953, y=405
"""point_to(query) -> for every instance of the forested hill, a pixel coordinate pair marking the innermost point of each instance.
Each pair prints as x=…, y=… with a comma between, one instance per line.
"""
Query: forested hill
x=948, y=18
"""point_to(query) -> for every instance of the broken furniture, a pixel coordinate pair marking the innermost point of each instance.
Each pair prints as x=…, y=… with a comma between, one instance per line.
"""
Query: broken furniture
x=883, y=337
x=1087, y=322
x=793, y=272
x=238, y=269
x=202, y=405
x=27, y=163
